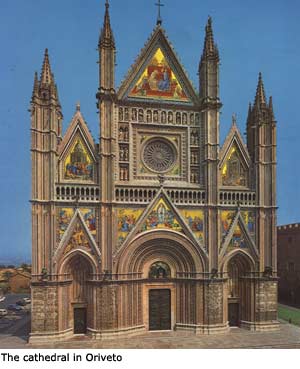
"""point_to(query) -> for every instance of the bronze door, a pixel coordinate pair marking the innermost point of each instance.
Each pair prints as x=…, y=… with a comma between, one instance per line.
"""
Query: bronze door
x=159, y=310
x=233, y=314
x=79, y=320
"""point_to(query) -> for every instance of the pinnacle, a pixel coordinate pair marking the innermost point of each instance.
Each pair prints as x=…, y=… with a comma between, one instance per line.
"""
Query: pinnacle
x=249, y=114
x=36, y=85
x=271, y=107
x=46, y=76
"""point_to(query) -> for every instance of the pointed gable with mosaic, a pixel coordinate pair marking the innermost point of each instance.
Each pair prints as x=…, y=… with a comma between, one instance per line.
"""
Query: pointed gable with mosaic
x=64, y=216
x=234, y=160
x=158, y=75
x=239, y=234
x=78, y=234
x=161, y=217
x=78, y=152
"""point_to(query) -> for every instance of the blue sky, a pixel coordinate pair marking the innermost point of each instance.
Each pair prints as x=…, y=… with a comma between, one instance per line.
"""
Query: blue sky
x=252, y=36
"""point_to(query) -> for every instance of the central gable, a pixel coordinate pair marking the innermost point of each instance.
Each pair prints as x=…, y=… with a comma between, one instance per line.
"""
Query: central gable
x=158, y=75
x=158, y=81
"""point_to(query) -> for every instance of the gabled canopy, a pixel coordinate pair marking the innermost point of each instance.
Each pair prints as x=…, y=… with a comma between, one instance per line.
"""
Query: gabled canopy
x=158, y=75
x=238, y=237
x=77, y=152
x=234, y=153
x=77, y=126
x=77, y=236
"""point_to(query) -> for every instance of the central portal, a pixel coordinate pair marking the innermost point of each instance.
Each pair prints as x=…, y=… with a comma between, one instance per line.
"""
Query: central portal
x=159, y=309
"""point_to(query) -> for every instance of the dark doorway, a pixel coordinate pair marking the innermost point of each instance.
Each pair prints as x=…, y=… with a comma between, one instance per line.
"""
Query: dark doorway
x=238, y=293
x=159, y=310
x=233, y=314
x=79, y=320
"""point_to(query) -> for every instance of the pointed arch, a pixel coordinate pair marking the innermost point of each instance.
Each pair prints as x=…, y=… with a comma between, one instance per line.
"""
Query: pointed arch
x=65, y=261
x=244, y=254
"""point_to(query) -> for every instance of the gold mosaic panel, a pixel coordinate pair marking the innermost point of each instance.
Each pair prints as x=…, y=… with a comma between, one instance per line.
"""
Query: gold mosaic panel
x=161, y=217
x=78, y=164
x=195, y=220
x=127, y=219
x=233, y=170
x=65, y=215
x=226, y=220
x=158, y=81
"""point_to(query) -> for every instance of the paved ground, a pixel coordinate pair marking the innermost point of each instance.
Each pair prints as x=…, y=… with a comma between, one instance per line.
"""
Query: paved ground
x=12, y=298
x=14, y=327
x=287, y=337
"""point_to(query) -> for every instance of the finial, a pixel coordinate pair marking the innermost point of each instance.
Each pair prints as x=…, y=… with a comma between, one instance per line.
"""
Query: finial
x=159, y=19
x=76, y=200
x=234, y=119
x=78, y=106
x=161, y=179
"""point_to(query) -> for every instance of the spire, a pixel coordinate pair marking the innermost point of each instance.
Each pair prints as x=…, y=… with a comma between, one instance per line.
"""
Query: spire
x=260, y=98
x=106, y=39
x=210, y=49
x=46, y=76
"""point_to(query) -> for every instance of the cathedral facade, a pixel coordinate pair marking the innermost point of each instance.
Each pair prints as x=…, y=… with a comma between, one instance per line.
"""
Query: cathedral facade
x=157, y=226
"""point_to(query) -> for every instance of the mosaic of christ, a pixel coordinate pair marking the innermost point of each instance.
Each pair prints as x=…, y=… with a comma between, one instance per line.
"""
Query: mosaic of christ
x=159, y=81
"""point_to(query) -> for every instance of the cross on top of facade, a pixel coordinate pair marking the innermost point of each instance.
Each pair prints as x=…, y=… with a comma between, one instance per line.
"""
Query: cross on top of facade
x=159, y=19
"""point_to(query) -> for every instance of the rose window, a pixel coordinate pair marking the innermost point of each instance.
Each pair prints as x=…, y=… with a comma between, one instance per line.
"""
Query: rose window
x=159, y=155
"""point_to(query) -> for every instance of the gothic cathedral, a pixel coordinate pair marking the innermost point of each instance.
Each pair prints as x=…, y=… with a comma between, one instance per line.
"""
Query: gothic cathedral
x=156, y=227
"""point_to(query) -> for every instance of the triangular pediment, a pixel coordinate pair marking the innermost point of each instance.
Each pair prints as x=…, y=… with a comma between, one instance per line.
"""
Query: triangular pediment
x=160, y=214
x=239, y=236
x=77, y=152
x=77, y=236
x=234, y=160
x=157, y=75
